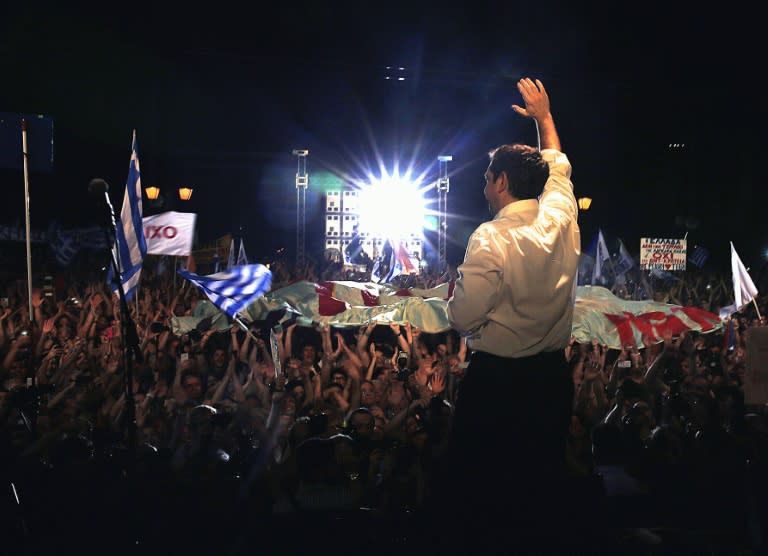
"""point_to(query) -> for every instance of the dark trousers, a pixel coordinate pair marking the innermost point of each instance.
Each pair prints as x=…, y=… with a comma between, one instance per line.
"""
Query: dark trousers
x=505, y=466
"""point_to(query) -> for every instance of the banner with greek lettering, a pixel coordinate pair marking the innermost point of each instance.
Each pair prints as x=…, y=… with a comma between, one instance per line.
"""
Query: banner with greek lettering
x=662, y=254
x=170, y=233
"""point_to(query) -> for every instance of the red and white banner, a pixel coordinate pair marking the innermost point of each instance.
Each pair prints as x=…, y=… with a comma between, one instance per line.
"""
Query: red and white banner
x=170, y=233
x=616, y=322
x=598, y=314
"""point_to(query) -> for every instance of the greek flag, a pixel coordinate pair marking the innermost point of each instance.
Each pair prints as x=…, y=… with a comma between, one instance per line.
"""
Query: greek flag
x=699, y=256
x=233, y=289
x=624, y=262
x=66, y=244
x=387, y=266
x=130, y=246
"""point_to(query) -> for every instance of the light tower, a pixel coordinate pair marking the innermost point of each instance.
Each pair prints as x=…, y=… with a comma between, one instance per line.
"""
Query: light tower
x=443, y=185
x=302, y=182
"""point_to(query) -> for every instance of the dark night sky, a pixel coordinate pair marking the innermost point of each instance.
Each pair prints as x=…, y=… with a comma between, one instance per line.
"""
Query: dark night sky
x=220, y=98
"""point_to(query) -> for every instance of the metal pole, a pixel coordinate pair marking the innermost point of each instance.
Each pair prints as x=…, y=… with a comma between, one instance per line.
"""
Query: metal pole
x=443, y=186
x=302, y=182
x=26, y=216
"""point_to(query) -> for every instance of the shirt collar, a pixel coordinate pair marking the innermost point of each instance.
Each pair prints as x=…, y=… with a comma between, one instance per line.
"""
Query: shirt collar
x=524, y=205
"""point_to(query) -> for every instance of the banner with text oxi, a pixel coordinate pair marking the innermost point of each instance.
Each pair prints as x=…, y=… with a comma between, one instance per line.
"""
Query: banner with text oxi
x=662, y=254
x=170, y=233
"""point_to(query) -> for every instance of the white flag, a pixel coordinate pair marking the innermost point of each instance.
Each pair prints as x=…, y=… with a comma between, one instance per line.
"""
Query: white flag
x=601, y=258
x=744, y=289
x=231, y=258
x=170, y=233
x=241, y=257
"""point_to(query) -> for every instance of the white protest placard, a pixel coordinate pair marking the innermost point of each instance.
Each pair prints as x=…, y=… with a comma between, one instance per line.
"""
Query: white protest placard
x=170, y=233
x=662, y=254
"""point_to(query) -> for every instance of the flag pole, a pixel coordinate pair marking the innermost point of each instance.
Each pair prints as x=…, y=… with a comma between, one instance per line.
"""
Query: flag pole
x=756, y=309
x=244, y=327
x=25, y=155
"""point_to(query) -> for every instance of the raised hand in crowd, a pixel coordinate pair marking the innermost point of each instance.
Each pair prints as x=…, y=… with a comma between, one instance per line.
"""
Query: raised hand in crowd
x=437, y=383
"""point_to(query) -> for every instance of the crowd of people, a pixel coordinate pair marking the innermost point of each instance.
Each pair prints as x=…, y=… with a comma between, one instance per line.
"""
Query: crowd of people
x=355, y=424
x=497, y=436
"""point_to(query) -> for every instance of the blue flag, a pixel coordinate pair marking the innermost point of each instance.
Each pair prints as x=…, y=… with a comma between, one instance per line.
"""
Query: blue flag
x=624, y=262
x=698, y=256
x=387, y=266
x=66, y=244
x=130, y=246
x=233, y=289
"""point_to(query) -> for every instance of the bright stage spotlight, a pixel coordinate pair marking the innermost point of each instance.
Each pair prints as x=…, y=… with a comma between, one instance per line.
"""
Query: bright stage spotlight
x=392, y=207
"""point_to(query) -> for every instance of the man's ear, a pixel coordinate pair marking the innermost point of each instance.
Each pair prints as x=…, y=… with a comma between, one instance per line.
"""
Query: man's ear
x=502, y=183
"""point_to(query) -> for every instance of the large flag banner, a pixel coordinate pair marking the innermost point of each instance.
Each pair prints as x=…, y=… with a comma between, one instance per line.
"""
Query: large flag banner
x=170, y=233
x=234, y=289
x=130, y=246
x=66, y=244
x=602, y=258
x=598, y=313
x=616, y=322
x=744, y=289
x=662, y=254
x=19, y=233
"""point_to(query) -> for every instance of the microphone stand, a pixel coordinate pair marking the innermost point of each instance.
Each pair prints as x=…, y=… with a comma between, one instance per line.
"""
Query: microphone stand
x=129, y=336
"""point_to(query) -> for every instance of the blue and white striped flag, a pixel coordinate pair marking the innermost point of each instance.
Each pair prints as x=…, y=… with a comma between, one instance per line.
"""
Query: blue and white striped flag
x=387, y=266
x=233, y=289
x=624, y=262
x=699, y=256
x=130, y=246
x=66, y=244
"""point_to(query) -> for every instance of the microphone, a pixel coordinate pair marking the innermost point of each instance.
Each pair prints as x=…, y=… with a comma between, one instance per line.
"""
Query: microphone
x=97, y=186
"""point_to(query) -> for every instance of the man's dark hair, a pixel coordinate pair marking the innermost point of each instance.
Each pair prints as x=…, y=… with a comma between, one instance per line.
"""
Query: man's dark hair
x=526, y=170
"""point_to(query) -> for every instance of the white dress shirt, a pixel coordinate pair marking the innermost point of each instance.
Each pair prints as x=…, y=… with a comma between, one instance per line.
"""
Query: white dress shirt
x=516, y=288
